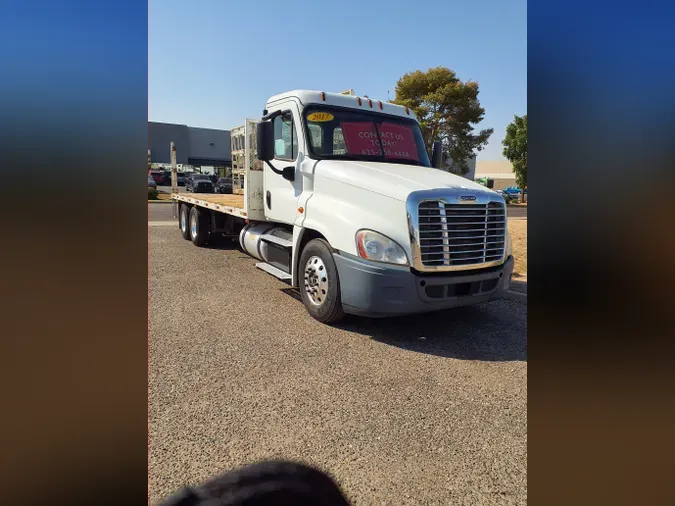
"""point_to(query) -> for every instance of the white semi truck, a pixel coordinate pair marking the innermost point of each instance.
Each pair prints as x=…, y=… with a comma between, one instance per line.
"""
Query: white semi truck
x=341, y=200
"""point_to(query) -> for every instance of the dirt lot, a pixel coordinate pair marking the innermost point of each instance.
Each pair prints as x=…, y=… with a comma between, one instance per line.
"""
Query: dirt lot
x=427, y=409
x=518, y=231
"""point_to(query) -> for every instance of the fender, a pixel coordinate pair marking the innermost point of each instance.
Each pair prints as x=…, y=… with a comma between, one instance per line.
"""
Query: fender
x=339, y=218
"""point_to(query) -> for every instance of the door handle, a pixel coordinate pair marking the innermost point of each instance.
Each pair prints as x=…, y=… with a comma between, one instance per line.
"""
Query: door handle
x=268, y=199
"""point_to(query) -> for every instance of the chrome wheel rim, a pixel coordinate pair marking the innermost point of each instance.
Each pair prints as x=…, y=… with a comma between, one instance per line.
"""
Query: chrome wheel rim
x=316, y=281
x=183, y=221
x=193, y=226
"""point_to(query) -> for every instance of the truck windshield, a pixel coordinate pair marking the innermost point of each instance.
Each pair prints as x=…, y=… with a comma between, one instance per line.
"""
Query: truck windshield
x=346, y=134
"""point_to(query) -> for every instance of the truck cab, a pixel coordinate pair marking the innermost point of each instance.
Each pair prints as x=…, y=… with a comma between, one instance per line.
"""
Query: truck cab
x=359, y=220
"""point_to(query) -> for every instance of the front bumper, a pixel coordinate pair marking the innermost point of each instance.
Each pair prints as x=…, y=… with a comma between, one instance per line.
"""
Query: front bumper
x=378, y=290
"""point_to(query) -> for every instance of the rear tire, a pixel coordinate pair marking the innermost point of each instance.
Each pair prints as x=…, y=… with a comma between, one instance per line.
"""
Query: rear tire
x=319, y=282
x=183, y=221
x=199, y=227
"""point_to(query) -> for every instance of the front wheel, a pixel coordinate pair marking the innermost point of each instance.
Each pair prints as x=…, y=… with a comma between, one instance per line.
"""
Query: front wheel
x=319, y=282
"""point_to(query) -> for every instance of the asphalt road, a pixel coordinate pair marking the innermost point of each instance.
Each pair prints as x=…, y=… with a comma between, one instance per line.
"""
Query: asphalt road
x=416, y=410
x=516, y=211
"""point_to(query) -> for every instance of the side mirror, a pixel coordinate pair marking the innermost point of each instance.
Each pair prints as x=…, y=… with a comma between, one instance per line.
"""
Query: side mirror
x=288, y=173
x=265, y=140
x=437, y=155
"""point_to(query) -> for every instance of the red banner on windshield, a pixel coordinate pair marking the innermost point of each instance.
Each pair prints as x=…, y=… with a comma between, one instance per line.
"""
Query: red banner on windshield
x=361, y=138
x=398, y=141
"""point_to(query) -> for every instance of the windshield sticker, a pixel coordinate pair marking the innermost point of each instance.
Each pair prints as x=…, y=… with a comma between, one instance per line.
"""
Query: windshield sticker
x=320, y=117
x=361, y=138
x=398, y=141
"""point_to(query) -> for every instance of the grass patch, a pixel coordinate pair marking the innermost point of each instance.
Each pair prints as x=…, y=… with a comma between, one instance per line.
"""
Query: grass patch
x=518, y=231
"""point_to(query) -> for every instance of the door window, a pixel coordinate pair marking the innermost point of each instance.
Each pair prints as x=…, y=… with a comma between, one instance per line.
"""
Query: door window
x=285, y=137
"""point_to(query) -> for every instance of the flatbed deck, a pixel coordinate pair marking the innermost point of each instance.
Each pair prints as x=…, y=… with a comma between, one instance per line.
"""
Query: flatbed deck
x=224, y=203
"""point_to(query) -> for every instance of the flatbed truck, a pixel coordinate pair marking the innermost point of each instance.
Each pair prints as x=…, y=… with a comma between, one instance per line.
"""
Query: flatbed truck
x=341, y=200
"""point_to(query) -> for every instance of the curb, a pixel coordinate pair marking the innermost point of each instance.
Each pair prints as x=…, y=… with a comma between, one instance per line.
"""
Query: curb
x=516, y=297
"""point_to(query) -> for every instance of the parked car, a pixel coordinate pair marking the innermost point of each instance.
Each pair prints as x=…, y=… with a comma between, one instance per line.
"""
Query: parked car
x=157, y=176
x=224, y=185
x=151, y=183
x=181, y=178
x=507, y=196
x=513, y=190
x=198, y=183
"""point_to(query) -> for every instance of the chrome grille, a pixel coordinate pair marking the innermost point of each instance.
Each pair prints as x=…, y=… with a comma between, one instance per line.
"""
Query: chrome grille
x=461, y=234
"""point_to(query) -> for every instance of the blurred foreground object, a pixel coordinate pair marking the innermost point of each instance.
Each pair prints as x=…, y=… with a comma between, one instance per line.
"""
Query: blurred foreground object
x=263, y=484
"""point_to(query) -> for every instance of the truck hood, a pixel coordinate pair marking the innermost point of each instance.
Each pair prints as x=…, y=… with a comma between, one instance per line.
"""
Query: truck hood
x=393, y=180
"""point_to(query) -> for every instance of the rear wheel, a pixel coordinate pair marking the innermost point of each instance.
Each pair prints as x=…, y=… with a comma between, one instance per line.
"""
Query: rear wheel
x=183, y=221
x=319, y=282
x=199, y=226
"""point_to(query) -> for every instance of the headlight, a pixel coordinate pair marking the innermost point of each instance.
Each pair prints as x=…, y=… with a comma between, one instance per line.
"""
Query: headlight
x=377, y=247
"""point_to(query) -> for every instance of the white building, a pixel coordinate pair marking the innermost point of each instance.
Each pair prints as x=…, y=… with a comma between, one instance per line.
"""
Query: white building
x=500, y=171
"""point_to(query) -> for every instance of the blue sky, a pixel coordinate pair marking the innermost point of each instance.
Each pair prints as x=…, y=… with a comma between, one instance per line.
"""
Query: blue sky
x=212, y=63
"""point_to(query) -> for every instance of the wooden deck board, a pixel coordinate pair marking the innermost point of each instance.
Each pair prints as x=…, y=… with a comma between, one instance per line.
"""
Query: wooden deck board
x=225, y=203
x=219, y=198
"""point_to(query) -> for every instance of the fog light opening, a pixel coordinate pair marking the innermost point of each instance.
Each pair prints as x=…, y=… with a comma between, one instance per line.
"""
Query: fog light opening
x=423, y=283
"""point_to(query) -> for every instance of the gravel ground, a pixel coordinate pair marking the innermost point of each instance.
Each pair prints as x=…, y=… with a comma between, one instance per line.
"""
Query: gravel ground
x=416, y=410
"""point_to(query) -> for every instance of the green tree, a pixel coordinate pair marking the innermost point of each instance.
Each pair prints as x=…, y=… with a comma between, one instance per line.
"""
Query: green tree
x=515, y=150
x=447, y=109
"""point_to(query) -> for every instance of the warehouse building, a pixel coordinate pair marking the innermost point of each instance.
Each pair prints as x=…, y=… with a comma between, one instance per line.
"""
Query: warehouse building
x=196, y=147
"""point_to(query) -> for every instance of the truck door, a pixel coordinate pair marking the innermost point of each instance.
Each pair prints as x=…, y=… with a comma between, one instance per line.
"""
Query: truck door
x=281, y=195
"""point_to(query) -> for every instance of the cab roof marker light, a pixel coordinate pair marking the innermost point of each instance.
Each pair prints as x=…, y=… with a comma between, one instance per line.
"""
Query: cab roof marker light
x=380, y=103
x=323, y=96
x=370, y=103
x=407, y=111
x=358, y=99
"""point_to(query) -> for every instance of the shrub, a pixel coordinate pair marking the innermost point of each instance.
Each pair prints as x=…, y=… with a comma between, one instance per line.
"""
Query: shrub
x=153, y=194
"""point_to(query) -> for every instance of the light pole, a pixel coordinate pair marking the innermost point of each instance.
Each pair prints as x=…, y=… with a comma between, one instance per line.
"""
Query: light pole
x=174, y=176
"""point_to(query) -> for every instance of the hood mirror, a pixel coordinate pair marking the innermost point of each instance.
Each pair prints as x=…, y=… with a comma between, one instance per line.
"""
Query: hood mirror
x=437, y=155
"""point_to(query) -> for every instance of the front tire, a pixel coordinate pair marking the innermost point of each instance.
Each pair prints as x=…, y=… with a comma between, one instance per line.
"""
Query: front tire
x=183, y=221
x=319, y=282
x=199, y=227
